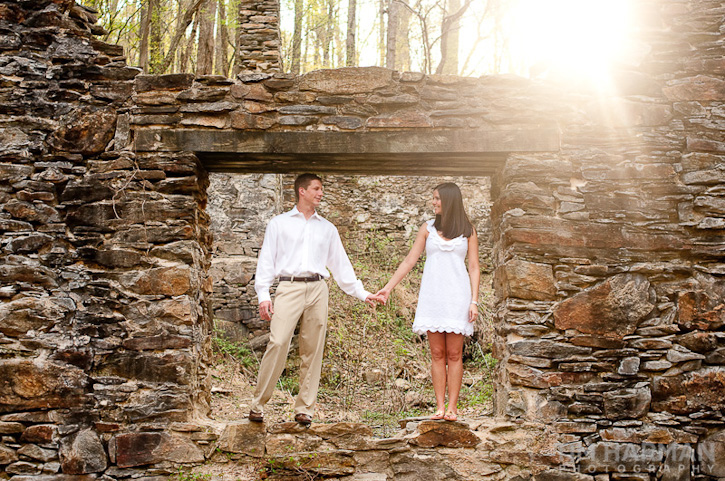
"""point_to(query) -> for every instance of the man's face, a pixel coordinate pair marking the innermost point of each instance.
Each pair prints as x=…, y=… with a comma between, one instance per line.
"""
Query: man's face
x=312, y=194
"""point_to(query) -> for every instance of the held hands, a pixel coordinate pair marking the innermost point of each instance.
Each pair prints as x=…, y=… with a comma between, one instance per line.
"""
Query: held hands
x=382, y=296
x=375, y=299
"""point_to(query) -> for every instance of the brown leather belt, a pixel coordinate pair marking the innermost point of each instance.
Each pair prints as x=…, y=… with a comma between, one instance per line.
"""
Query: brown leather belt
x=314, y=278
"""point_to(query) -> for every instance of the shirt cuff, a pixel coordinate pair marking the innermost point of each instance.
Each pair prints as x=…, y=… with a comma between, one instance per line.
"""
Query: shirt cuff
x=364, y=295
x=263, y=296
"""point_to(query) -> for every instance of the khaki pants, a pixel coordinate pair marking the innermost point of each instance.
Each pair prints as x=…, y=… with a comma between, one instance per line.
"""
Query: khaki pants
x=295, y=301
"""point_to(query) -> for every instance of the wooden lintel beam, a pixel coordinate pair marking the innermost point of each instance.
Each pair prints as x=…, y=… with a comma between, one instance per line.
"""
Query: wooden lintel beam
x=375, y=142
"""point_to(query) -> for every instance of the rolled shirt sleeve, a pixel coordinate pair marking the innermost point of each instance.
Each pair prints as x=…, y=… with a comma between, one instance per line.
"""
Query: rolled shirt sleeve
x=264, y=277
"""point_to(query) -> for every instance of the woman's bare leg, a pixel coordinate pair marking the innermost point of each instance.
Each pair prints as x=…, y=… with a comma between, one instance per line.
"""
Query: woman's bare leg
x=454, y=351
x=437, y=341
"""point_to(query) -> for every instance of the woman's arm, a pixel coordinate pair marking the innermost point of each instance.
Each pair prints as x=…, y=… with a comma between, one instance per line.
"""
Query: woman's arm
x=407, y=264
x=474, y=272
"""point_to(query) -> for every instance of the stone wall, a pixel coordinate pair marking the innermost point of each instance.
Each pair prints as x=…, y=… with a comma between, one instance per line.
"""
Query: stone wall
x=608, y=250
x=103, y=266
x=392, y=207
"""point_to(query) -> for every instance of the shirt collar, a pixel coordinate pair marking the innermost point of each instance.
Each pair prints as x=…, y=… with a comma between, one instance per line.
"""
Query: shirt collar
x=296, y=211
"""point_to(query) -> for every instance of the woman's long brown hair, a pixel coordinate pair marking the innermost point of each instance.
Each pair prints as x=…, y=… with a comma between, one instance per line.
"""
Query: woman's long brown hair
x=452, y=221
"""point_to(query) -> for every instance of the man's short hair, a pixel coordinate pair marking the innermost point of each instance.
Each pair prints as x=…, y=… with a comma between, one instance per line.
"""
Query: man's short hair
x=303, y=181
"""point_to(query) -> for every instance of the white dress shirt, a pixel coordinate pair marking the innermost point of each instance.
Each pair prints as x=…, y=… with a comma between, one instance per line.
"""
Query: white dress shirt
x=295, y=246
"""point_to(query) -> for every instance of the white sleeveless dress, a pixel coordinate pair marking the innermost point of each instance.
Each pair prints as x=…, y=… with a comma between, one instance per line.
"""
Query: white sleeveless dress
x=445, y=290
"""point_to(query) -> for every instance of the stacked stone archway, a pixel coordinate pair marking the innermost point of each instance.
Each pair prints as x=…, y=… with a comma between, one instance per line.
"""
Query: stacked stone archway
x=608, y=228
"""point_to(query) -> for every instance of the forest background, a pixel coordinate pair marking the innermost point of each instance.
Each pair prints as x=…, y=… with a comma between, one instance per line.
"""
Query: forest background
x=460, y=37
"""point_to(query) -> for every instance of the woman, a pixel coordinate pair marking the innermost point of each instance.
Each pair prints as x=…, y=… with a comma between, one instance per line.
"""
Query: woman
x=447, y=303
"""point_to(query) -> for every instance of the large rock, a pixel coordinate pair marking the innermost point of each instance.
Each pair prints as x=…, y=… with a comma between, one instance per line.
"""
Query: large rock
x=612, y=309
x=83, y=453
x=525, y=280
x=700, y=310
x=448, y=434
x=31, y=313
x=690, y=392
x=677, y=464
x=711, y=454
x=85, y=131
x=7, y=455
x=141, y=448
x=346, y=80
x=169, y=281
x=174, y=367
x=27, y=385
x=414, y=466
x=547, y=349
x=627, y=403
x=700, y=87
x=243, y=437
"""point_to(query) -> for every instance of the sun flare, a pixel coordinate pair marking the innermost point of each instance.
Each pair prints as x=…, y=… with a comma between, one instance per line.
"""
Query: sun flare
x=574, y=37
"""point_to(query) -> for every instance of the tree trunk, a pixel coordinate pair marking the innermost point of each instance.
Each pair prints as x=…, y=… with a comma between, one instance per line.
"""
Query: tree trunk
x=351, y=26
x=144, y=28
x=330, y=26
x=381, y=36
x=156, y=36
x=205, y=51
x=450, y=30
x=222, y=60
x=188, y=48
x=188, y=17
x=392, y=41
x=402, y=56
x=297, y=37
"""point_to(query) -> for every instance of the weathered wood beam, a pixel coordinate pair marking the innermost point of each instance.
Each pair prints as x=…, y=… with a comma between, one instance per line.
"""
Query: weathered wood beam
x=459, y=152
x=304, y=142
x=359, y=164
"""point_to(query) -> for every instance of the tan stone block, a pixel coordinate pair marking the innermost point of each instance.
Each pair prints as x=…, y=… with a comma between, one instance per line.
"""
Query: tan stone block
x=346, y=80
x=525, y=280
x=244, y=437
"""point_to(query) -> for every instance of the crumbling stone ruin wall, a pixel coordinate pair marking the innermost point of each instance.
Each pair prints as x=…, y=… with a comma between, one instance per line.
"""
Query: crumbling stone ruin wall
x=608, y=248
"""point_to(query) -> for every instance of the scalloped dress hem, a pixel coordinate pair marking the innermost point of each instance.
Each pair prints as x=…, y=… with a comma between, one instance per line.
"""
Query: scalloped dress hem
x=422, y=328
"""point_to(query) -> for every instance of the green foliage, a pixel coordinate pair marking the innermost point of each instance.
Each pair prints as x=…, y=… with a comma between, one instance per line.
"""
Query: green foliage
x=480, y=357
x=289, y=383
x=239, y=351
x=189, y=476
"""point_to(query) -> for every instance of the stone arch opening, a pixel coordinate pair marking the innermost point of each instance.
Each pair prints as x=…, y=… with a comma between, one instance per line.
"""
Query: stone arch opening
x=434, y=154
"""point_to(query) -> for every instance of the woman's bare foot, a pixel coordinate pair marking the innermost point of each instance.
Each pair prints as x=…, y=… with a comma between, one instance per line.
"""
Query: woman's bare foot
x=438, y=415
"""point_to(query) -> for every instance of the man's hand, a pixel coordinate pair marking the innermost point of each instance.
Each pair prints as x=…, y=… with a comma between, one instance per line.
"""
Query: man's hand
x=266, y=309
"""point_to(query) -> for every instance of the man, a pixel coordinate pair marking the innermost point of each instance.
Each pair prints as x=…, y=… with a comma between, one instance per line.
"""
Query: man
x=299, y=246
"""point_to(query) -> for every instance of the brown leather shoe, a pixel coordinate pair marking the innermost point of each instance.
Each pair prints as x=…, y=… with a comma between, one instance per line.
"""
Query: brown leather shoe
x=256, y=417
x=303, y=419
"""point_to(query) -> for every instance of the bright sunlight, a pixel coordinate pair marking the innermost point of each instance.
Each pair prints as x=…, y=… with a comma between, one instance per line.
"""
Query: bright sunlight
x=579, y=38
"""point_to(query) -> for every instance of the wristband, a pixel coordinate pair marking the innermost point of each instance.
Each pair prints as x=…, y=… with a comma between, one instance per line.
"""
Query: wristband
x=474, y=302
